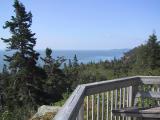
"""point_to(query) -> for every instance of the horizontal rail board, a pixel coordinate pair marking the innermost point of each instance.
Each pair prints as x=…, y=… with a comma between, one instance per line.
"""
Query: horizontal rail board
x=139, y=112
x=150, y=80
x=97, y=87
x=150, y=94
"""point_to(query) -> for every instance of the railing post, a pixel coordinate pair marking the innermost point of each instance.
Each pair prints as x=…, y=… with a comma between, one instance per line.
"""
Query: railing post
x=102, y=106
x=107, y=115
x=130, y=96
x=92, y=107
x=87, y=108
x=134, y=92
x=124, y=97
x=81, y=113
x=158, y=91
x=120, y=98
x=116, y=97
x=127, y=95
x=98, y=103
x=111, y=104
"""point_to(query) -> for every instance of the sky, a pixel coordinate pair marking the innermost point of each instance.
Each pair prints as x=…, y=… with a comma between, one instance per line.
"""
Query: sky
x=88, y=24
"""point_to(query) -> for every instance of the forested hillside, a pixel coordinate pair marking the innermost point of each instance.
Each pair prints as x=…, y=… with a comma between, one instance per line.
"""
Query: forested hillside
x=142, y=60
x=24, y=85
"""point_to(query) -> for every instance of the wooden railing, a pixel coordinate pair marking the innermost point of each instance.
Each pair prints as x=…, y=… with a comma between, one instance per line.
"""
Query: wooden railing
x=95, y=101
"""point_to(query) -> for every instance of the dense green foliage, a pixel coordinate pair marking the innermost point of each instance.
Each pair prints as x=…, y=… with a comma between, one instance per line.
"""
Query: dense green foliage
x=25, y=77
x=24, y=84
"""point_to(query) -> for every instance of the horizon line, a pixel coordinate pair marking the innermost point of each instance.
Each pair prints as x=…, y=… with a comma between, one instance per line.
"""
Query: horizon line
x=80, y=49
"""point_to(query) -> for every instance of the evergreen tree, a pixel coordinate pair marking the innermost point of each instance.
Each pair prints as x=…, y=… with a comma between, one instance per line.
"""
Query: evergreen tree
x=48, y=61
x=55, y=82
x=75, y=61
x=70, y=63
x=153, y=52
x=25, y=83
x=22, y=40
x=74, y=72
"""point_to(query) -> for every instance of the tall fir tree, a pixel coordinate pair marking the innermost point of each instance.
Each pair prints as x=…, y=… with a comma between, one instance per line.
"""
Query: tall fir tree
x=48, y=61
x=70, y=63
x=74, y=72
x=25, y=84
x=22, y=40
x=55, y=82
x=153, y=52
x=75, y=61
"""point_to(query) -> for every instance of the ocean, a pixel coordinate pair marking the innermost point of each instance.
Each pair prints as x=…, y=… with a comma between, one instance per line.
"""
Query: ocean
x=84, y=56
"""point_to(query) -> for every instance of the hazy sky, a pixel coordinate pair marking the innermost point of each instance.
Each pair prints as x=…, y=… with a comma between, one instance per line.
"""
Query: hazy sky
x=88, y=24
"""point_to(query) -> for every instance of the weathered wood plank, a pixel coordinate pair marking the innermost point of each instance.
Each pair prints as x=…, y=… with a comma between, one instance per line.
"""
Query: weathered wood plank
x=116, y=97
x=127, y=92
x=87, y=108
x=150, y=79
x=111, y=103
x=98, y=87
x=107, y=114
x=115, y=103
x=98, y=107
x=134, y=93
x=102, y=106
x=81, y=113
x=149, y=94
x=120, y=98
x=124, y=96
x=72, y=106
x=92, y=107
x=158, y=91
x=130, y=96
x=139, y=112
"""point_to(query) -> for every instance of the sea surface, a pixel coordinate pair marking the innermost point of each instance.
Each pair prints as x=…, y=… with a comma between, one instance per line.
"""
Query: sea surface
x=83, y=56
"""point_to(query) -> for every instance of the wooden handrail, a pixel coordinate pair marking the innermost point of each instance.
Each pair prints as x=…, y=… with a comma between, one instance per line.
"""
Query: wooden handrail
x=72, y=106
